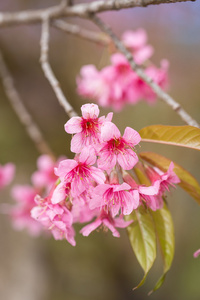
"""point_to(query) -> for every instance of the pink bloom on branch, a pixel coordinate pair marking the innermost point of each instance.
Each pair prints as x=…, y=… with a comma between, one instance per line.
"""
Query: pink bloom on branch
x=20, y=212
x=87, y=128
x=6, y=174
x=116, y=148
x=148, y=194
x=44, y=176
x=166, y=179
x=108, y=222
x=136, y=41
x=196, y=253
x=80, y=172
x=56, y=218
x=159, y=76
x=93, y=84
x=114, y=197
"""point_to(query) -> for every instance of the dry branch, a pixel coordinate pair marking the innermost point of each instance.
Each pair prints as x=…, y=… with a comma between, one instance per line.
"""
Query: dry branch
x=48, y=72
x=80, y=10
x=20, y=110
x=96, y=37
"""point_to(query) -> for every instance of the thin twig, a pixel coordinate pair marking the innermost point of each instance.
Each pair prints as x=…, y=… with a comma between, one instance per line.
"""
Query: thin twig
x=20, y=110
x=96, y=37
x=48, y=72
x=138, y=70
x=81, y=10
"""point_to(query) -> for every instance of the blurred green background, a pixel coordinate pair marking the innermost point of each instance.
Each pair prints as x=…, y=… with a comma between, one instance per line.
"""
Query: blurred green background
x=100, y=266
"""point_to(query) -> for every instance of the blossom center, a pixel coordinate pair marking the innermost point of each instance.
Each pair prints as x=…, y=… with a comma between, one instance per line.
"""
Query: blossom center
x=90, y=126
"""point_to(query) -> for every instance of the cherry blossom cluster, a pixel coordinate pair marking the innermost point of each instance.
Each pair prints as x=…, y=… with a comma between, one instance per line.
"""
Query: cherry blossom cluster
x=6, y=174
x=97, y=186
x=117, y=84
x=24, y=196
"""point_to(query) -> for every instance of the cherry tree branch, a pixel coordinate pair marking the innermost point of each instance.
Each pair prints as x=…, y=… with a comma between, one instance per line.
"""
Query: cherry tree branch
x=48, y=72
x=139, y=71
x=96, y=37
x=80, y=10
x=14, y=98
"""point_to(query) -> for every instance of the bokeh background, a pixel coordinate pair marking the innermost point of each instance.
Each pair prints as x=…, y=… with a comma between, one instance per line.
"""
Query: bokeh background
x=100, y=266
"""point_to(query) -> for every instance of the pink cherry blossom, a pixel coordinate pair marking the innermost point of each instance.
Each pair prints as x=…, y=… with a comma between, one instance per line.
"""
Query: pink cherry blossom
x=108, y=222
x=20, y=212
x=114, y=198
x=166, y=179
x=136, y=42
x=148, y=194
x=93, y=84
x=116, y=148
x=80, y=172
x=44, y=177
x=6, y=174
x=56, y=218
x=196, y=253
x=87, y=128
x=117, y=84
x=159, y=76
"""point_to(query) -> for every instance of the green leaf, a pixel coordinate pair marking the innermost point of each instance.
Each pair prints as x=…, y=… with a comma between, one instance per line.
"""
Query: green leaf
x=184, y=136
x=165, y=236
x=143, y=239
x=141, y=175
x=188, y=182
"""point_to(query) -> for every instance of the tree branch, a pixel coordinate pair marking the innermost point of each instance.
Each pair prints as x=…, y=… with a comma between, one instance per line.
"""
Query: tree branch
x=81, y=10
x=20, y=110
x=138, y=70
x=48, y=72
x=96, y=37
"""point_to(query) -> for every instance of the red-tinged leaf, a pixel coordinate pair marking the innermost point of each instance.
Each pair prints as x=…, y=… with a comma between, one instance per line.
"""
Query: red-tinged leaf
x=184, y=136
x=165, y=236
x=188, y=182
x=143, y=239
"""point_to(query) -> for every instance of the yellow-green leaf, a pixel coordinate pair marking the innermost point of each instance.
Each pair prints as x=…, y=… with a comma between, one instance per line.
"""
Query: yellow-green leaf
x=188, y=182
x=143, y=239
x=185, y=136
x=165, y=236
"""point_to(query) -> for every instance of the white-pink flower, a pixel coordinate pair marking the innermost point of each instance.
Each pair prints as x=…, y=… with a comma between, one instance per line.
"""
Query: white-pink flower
x=6, y=174
x=80, y=172
x=116, y=148
x=108, y=222
x=113, y=197
x=87, y=128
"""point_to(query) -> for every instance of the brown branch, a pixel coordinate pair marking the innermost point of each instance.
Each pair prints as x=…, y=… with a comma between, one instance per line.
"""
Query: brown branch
x=20, y=110
x=96, y=37
x=138, y=70
x=81, y=10
x=48, y=72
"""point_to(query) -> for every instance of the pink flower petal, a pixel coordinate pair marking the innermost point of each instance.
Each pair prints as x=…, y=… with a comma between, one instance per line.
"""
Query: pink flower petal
x=109, y=131
x=73, y=125
x=90, y=227
x=131, y=136
x=90, y=111
x=114, y=231
x=127, y=160
x=64, y=167
x=88, y=156
x=196, y=253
